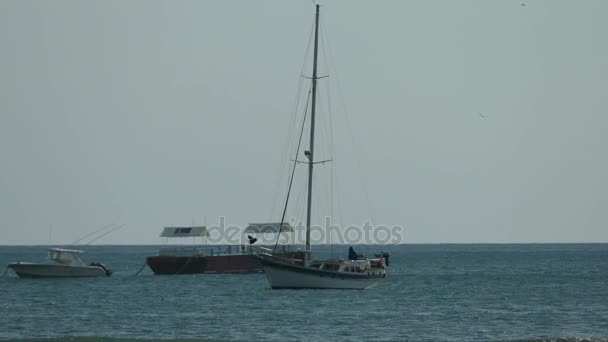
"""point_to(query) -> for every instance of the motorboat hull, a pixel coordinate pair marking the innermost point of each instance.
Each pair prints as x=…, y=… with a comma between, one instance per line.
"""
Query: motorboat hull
x=34, y=270
x=283, y=275
x=164, y=264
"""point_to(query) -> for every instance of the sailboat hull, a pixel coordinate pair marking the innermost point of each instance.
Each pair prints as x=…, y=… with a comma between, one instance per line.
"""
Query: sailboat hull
x=285, y=276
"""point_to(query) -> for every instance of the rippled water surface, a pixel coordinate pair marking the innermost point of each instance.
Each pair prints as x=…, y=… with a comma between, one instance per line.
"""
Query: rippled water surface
x=432, y=293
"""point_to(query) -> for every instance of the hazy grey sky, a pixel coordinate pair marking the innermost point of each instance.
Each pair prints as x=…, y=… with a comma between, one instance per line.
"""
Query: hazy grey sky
x=474, y=121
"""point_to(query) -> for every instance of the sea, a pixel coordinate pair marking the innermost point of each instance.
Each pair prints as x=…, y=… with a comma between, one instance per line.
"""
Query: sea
x=435, y=292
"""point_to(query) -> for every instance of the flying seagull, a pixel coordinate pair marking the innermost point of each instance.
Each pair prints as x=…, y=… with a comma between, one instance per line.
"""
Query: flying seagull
x=482, y=115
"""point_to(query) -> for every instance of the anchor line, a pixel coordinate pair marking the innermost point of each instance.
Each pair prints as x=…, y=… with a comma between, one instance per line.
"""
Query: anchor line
x=140, y=269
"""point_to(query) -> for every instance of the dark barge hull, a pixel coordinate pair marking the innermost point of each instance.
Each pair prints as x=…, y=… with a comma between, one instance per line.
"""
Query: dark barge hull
x=204, y=264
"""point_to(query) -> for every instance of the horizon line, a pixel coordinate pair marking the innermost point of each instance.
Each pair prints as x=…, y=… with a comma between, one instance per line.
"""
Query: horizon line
x=324, y=244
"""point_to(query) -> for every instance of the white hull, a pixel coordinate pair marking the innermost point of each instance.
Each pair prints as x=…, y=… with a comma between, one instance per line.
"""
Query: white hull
x=33, y=270
x=281, y=277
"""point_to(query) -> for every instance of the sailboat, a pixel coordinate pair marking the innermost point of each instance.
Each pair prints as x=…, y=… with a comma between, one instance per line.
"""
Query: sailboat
x=289, y=273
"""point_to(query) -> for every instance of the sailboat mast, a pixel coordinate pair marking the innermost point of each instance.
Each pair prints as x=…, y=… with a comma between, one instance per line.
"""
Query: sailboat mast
x=309, y=153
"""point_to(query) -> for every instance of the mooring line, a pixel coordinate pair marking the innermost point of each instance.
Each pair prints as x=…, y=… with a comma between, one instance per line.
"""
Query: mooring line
x=141, y=269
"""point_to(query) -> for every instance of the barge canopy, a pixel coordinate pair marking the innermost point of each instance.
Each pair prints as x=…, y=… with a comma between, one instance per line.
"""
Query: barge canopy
x=199, y=231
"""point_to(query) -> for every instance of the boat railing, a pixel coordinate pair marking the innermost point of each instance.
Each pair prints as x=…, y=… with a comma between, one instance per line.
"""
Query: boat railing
x=204, y=250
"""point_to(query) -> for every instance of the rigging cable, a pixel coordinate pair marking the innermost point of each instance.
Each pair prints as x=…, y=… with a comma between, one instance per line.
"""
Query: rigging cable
x=293, y=171
x=320, y=205
x=334, y=201
x=358, y=150
x=331, y=138
x=292, y=125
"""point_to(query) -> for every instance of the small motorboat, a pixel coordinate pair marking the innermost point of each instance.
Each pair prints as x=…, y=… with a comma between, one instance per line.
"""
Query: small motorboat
x=60, y=263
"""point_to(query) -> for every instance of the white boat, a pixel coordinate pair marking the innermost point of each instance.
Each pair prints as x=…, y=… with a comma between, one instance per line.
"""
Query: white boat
x=283, y=272
x=323, y=274
x=60, y=263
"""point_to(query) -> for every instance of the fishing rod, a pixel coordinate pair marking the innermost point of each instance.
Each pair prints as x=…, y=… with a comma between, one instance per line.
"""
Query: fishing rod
x=95, y=232
x=104, y=234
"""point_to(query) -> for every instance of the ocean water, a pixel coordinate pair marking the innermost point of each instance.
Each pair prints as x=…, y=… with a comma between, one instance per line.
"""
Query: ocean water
x=541, y=292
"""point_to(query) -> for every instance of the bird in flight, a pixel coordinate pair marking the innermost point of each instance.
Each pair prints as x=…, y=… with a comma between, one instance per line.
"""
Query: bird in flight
x=482, y=115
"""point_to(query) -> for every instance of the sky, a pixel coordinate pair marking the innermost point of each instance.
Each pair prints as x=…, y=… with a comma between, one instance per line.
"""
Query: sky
x=459, y=121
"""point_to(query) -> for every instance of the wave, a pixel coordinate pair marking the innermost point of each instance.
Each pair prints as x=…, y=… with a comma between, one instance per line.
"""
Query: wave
x=109, y=339
x=172, y=339
x=562, y=339
x=559, y=339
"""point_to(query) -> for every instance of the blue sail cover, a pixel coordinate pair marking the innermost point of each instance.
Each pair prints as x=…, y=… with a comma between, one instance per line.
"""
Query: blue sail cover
x=352, y=255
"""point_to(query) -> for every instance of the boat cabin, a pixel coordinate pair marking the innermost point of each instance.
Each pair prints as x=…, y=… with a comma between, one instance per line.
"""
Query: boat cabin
x=189, y=250
x=252, y=232
x=69, y=257
x=349, y=266
x=183, y=232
